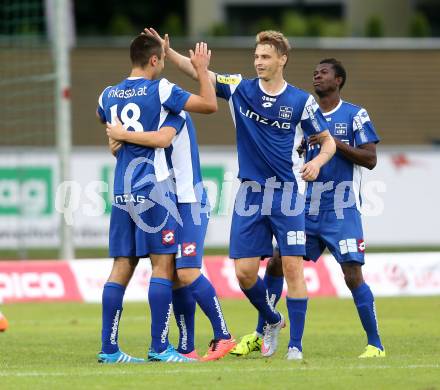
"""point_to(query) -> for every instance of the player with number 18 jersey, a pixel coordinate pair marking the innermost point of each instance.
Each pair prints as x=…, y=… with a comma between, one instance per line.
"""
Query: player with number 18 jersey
x=142, y=105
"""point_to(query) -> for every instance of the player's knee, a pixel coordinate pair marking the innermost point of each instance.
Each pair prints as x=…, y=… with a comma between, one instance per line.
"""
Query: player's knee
x=122, y=270
x=275, y=266
x=133, y=261
x=162, y=269
x=353, y=282
x=293, y=271
x=353, y=275
x=186, y=276
x=246, y=277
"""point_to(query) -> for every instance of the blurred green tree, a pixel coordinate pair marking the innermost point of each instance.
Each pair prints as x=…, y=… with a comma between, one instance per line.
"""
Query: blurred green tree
x=335, y=28
x=219, y=30
x=316, y=26
x=173, y=25
x=374, y=27
x=120, y=24
x=266, y=23
x=419, y=26
x=293, y=24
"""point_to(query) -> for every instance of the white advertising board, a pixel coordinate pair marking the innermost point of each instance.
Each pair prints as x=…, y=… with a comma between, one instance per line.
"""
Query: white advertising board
x=400, y=197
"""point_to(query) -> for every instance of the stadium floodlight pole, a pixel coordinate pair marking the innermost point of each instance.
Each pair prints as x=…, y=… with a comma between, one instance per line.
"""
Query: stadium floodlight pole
x=63, y=116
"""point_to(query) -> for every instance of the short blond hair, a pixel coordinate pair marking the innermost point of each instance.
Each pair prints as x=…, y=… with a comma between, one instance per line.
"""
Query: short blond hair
x=274, y=38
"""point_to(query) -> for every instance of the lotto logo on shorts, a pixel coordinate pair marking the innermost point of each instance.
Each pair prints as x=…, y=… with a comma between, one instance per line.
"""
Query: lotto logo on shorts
x=296, y=237
x=351, y=245
x=189, y=249
x=167, y=237
x=361, y=245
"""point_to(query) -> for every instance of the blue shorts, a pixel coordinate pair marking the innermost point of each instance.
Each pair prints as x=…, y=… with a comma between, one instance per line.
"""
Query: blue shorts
x=252, y=233
x=137, y=233
x=343, y=237
x=191, y=236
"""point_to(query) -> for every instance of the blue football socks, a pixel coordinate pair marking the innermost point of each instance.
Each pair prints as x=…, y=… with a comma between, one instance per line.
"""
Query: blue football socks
x=184, y=306
x=364, y=301
x=205, y=295
x=159, y=297
x=297, y=308
x=274, y=286
x=112, y=297
x=259, y=297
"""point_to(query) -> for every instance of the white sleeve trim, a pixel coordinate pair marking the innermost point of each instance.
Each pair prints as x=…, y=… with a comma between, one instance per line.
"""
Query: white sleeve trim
x=100, y=96
x=233, y=87
x=310, y=105
x=165, y=88
x=363, y=115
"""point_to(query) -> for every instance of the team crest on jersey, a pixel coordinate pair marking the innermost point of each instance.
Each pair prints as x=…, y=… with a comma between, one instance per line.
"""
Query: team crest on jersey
x=168, y=237
x=228, y=79
x=189, y=249
x=285, y=112
x=341, y=129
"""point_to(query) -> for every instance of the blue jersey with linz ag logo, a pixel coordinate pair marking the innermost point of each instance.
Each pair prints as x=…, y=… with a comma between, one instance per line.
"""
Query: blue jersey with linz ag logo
x=340, y=177
x=269, y=128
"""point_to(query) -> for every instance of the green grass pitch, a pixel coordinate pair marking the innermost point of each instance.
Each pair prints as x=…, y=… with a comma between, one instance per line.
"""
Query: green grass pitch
x=53, y=346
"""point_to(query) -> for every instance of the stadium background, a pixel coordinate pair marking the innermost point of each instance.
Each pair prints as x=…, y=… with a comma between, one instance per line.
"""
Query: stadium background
x=392, y=54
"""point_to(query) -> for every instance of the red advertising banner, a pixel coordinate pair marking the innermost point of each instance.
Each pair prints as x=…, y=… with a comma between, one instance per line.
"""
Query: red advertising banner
x=22, y=281
x=396, y=274
x=220, y=271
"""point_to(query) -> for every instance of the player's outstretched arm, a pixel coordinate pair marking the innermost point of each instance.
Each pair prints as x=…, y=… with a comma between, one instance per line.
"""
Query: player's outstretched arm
x=181, y=61
x=206, y=101
x=310, y=170
x=196, y=66
x=152, y=139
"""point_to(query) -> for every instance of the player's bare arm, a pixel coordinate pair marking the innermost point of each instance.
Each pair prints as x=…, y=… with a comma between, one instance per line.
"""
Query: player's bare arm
x=152, y=139
x=363, y=155
x=310, y=170
x=113, y=145
x=195, y=66
x=206, y=101
x=182, y=62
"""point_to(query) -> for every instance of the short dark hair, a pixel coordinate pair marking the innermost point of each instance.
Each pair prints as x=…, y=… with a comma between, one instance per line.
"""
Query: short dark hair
x=142, y=48
x=337, y=67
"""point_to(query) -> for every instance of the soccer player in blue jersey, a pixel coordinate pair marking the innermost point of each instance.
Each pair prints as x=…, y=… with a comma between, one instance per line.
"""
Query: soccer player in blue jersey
x=193, y=206
x=271, y=117
x=333, y=203
x=143, y=220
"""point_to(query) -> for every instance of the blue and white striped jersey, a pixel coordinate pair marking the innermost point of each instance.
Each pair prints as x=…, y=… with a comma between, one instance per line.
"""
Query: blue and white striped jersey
x=183, y=157
x=142, y=105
